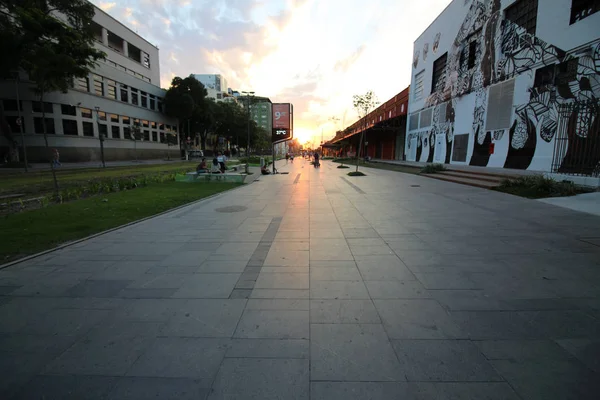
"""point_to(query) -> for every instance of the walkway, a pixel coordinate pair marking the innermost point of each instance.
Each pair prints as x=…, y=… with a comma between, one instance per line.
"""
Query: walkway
x=314, y=285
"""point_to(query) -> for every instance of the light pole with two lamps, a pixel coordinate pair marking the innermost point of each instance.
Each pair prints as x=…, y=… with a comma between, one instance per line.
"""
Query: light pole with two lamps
x=248, y=96
x=100, y=136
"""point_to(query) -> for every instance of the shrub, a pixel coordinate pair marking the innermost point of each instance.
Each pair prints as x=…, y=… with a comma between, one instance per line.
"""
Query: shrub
x=538, y=186
x=432, y=168
x=343, y=166
x=355, y=173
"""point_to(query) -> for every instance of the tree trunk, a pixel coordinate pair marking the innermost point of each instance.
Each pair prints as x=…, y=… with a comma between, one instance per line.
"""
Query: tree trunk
x=44, y=130
x=358, y=149
x=6, y=131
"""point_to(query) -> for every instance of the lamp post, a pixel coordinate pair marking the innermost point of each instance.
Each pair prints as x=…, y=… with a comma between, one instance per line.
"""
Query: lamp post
x=248, y=95
x=100, y=136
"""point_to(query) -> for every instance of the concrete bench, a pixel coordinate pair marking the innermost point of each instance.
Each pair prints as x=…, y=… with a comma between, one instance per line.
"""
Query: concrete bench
x=238, y=167
x=208, y=177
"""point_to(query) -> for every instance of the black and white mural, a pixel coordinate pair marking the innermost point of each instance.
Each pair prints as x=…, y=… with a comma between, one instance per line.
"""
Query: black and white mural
x=546, y=114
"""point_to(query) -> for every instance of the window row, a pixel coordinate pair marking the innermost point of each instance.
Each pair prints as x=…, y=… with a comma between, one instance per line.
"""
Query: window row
x=105, y=87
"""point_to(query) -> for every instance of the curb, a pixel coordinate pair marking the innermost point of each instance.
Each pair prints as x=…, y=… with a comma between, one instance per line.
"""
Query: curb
x=64, y=245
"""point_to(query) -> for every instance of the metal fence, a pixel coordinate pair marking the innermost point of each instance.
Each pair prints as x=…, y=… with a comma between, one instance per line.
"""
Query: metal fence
x=577, y=141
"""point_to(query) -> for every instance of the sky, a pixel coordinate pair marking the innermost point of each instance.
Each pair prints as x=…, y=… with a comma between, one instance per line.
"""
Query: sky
x=315, y=54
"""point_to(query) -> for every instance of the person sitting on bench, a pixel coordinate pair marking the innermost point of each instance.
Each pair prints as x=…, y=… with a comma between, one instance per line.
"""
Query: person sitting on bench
x=202, y=168
x=215, y=167
x=265, y=170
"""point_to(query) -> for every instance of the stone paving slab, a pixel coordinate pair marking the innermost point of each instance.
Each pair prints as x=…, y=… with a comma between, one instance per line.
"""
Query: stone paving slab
x=315, y=285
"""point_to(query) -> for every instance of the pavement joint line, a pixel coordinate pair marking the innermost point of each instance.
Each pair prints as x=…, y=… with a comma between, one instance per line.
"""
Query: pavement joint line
x=359, y=190
x=243, y=288
x=64, y=245
x=297, y=179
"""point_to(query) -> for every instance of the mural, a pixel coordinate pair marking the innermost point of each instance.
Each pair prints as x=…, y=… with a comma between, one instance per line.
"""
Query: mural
x=416, y=58
x=425, y=51
x=436, y=42
x=563, y=93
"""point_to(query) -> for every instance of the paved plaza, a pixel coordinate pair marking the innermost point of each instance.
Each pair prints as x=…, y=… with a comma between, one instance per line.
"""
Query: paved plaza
x=315, y=285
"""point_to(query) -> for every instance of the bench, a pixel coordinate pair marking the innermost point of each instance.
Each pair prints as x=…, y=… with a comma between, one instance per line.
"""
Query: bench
x=208, y=177
x=238, y=167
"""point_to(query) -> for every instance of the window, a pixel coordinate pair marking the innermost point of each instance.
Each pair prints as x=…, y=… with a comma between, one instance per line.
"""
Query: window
x=127, y=133
x=146, y=60
x=162, y=138
x=418, y=92
x=438, y=78
x=426, y=118
x=124, y=94
x=126, y=121
x=86, y=113
x=460, y=147
x=116, y=132
x=37, y=107
x=160, y=106
x=134, y=97
x=144, y=99
x=472, y=53
x=155, y=136
x=114, y=118
x=567, y=71
x=11, y=105
x=413, y=122
x=111, y=89
x=70, y=127
x=581, y=9
x=115, y=42
x=39, y=128
x=152, y=103
x=524, y=14
x=147, y=135
x=98, y=88
x=82, y=84
x=161, y=127
x=88, y=129
x=145, y=124
x=103, y=130
x=97, y=30
x=500, y=102
x=67, y=109
x=134, y=53
x=544, y=76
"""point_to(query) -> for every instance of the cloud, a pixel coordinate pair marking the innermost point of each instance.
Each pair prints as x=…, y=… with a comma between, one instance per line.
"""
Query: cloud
x=344, y=64
x=106, y=6
x=312, y=53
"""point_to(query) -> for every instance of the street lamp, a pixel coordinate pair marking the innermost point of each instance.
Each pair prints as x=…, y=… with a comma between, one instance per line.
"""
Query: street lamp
x=248, y=95
x=100, y=135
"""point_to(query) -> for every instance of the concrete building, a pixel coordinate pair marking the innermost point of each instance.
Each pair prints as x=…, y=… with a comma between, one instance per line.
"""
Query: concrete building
x=120, y=92
x=383, y=129
x=508, y=84
x=216, y=86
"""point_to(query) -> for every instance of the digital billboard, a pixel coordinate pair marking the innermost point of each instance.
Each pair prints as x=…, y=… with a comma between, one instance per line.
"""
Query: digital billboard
x=283, y=122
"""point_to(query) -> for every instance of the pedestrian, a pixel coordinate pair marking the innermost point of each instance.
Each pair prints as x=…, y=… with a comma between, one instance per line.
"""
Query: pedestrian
x=56, y=158
x=317, y=164
x=202, y=168
x=287, y=157
x=221, y=161
x=292, y=158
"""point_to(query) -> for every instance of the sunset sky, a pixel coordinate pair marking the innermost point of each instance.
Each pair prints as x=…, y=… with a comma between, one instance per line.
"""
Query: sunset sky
x=313, y=53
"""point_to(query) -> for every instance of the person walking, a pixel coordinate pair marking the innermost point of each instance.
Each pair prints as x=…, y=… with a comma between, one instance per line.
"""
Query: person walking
x=56, y=158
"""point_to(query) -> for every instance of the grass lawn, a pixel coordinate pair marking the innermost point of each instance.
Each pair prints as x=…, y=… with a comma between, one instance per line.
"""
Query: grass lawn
x=33, y=231
x=40, y=182
x=389, y=167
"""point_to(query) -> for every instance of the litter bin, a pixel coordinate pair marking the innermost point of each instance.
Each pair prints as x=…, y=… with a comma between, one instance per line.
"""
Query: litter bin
x=262, y=162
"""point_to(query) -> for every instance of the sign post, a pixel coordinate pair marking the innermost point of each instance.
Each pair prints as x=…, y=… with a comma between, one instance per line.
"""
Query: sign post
x=283, y=125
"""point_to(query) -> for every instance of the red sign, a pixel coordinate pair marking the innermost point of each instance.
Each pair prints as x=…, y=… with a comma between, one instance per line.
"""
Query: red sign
x=281, y=116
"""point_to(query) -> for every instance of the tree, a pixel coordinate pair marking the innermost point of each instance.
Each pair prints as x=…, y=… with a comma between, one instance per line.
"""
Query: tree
x=52, y=42
x=363, y=104
x=171, y=139
x=186, y=101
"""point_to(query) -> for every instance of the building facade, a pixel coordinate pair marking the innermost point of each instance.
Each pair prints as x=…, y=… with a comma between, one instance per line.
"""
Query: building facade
x=122, y=92
x=383, y=129
x=215, y=85
x=508, y=84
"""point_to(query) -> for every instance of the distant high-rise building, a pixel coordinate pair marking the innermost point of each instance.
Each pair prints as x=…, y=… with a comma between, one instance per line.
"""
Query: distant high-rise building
x=215, y=85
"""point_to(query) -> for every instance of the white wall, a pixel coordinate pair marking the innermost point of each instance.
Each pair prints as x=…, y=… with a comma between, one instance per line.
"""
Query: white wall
x=528, y=139
x=110, y=23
